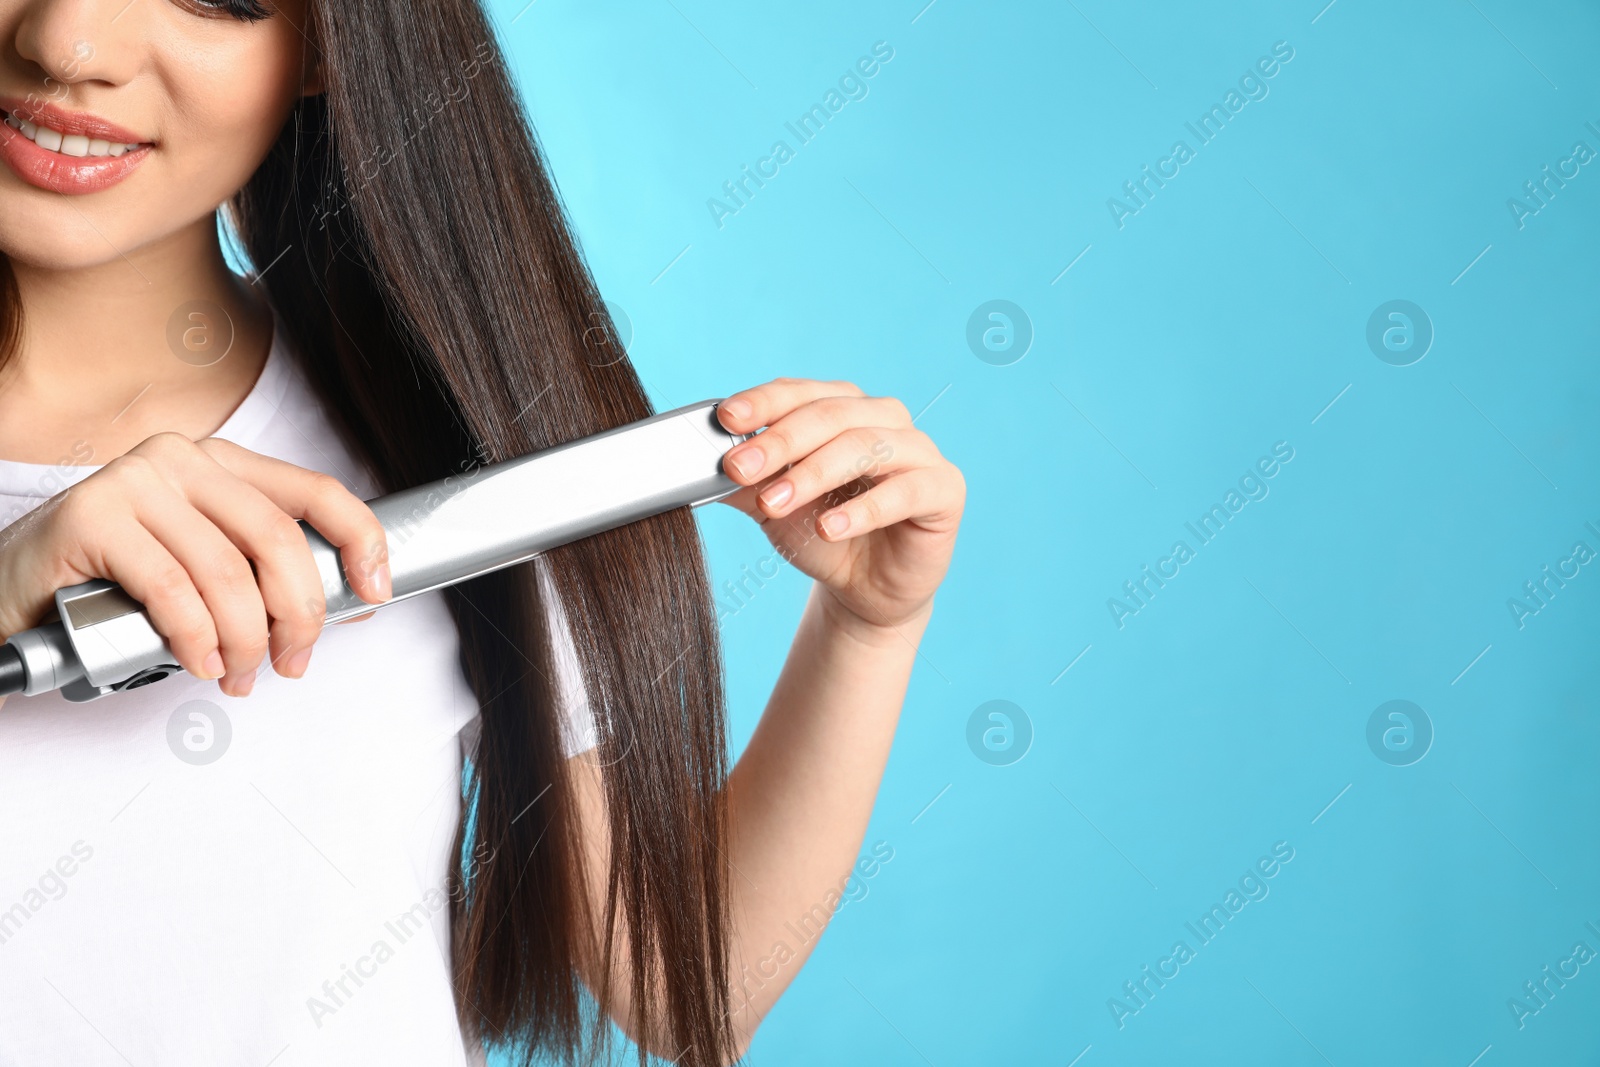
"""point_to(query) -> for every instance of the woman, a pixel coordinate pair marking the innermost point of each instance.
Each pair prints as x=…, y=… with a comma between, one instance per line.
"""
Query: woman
x=306, y=879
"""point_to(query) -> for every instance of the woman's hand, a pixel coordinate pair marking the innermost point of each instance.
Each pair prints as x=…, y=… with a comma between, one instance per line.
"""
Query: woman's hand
x=178, y=524
x=848, y=491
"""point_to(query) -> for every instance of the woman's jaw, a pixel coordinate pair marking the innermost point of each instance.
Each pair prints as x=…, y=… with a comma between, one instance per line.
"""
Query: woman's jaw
x=67, y=152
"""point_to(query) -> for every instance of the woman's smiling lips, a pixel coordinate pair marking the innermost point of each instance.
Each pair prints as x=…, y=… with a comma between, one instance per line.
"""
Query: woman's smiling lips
x=67, y=152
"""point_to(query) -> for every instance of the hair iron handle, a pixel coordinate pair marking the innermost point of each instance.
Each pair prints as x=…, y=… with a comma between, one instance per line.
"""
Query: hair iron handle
x=484, y=519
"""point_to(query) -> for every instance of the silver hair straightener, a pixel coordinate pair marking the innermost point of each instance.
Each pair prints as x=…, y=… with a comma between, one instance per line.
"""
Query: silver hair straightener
x=482, y=520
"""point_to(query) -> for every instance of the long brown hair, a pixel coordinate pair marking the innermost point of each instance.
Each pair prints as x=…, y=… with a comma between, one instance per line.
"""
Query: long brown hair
x=428, y=280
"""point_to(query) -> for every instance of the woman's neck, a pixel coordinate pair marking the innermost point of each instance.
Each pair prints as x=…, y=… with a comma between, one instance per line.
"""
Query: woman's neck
x=112, y=354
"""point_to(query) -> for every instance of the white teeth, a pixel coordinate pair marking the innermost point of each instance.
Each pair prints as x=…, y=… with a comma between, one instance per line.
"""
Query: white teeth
x=72, y=144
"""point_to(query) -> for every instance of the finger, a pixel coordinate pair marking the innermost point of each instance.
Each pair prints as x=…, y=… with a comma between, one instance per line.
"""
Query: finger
x=746, y=500
x=286, y=587
x=324, y=502
x=356, y=618
x=151, y=575
x=751, y=409
x=222, y=574
x=863, y=452
x=914, y=494
x=285, y=570
x=808, y=428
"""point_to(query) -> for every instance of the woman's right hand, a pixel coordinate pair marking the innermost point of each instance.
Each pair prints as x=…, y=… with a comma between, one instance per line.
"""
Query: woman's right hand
x=178, y=523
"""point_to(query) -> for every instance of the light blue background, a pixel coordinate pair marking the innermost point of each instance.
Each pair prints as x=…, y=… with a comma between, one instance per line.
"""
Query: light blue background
x=1222, y=318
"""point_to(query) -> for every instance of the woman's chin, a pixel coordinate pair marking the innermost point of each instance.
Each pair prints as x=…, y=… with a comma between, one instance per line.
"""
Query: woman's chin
x=56, y=240
x=58, y=233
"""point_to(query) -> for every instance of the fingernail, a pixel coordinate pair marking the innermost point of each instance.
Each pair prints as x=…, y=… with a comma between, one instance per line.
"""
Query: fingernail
x=777, y=494
x=213, y=666
x=835, y=523
x=295, y=666
x=736, y=407
x=384, y=580
x=749, y=460
x=246, y=683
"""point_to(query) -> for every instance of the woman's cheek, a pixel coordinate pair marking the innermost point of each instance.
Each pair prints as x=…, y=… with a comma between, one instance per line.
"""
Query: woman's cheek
x=225, y=127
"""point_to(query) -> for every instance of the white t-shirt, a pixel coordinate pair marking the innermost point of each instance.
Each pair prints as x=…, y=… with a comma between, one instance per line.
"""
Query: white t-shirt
x=261, y=884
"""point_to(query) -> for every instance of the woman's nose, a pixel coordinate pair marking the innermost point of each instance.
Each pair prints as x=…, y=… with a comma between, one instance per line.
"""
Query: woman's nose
x=77, y=41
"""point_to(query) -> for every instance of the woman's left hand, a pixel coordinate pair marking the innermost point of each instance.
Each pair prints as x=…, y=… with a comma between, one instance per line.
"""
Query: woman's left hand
x=847, y=490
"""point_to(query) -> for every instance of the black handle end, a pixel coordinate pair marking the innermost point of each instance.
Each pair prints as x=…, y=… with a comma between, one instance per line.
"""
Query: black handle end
x=13, y=676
